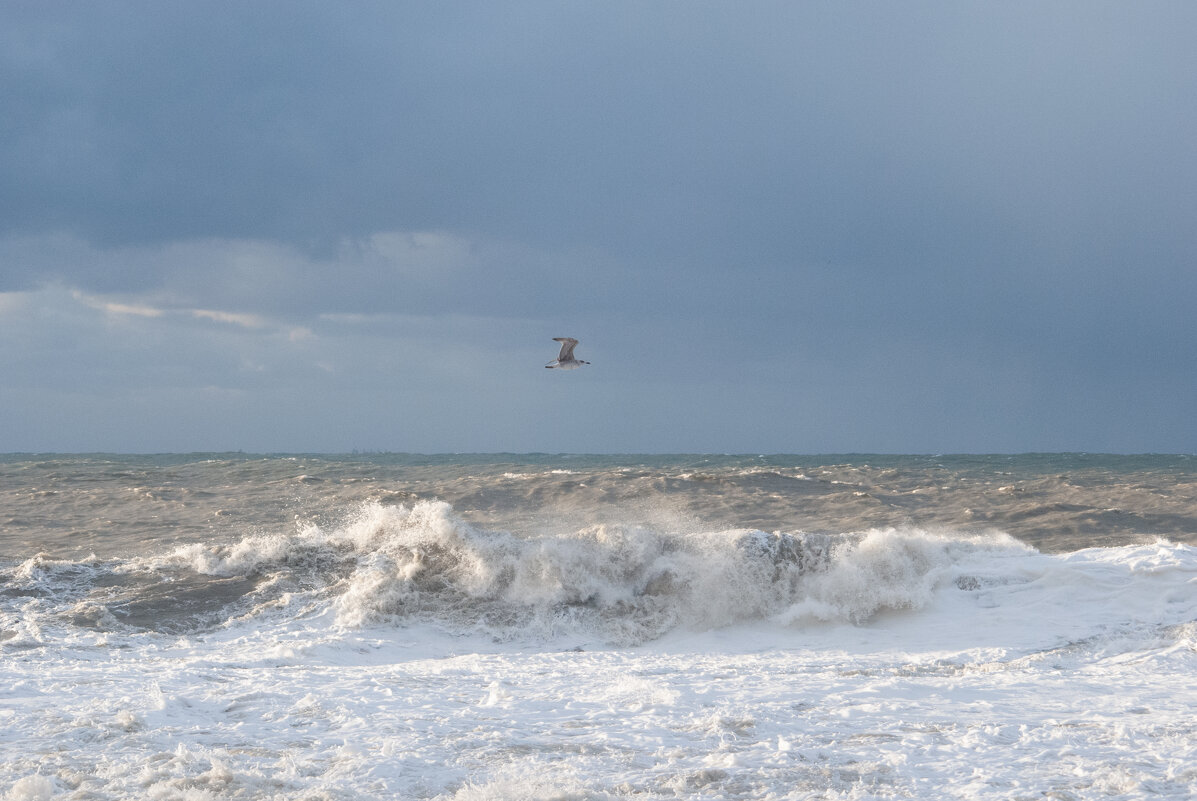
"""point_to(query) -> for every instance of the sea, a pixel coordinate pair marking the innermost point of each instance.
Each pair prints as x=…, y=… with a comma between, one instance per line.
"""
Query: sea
x=543, y=627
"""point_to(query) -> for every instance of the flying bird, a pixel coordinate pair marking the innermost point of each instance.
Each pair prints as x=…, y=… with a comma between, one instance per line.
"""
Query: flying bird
x=565, y=359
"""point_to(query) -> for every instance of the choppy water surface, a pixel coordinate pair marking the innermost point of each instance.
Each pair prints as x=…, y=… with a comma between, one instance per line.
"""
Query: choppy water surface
x=120, y=504
x=598, y=627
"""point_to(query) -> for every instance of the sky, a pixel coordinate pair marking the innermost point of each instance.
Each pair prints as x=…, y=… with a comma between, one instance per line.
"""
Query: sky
x=775, y=227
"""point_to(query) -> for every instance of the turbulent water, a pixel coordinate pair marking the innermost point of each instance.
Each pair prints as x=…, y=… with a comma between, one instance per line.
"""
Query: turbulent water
x=586, y=627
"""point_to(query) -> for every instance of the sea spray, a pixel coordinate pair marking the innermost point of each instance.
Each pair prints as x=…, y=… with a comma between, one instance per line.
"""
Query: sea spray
x=597, y=627
x=619, y=583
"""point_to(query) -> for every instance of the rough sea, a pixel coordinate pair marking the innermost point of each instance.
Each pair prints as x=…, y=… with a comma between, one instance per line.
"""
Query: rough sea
x=376, y=626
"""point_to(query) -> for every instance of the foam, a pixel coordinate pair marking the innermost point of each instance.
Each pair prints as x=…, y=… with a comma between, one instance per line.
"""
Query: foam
x=999, y=672
x=402, y=652
x=620, y=583
x=612, y=583
x=31, y=788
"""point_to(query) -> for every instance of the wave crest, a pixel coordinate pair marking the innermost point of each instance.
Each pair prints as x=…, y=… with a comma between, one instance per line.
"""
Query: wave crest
x=621, y=583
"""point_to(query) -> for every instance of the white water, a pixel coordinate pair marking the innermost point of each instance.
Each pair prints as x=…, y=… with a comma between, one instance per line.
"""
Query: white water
x=406, y=654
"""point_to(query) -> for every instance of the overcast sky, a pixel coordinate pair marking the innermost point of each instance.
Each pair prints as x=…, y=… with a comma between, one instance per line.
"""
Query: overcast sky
x=775, y=227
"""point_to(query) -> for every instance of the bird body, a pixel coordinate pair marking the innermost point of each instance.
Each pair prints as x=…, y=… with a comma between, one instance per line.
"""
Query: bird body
x=565, y=360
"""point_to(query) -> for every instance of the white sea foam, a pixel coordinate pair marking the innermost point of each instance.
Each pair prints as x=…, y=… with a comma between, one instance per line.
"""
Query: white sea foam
x=1017, y=674
x=399, y=651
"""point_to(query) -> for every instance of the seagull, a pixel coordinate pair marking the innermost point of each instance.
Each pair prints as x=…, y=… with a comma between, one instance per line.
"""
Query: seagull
x=565, y=359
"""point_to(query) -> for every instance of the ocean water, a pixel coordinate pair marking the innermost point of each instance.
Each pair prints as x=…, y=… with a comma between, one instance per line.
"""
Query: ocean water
x=598, y=627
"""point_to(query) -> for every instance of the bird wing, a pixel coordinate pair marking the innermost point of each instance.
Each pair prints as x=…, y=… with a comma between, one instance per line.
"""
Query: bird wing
x=567, y=348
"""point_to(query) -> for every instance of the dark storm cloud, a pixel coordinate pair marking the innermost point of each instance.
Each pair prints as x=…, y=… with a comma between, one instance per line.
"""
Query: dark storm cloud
x=869, y=133
x=949, y=206
x=872, y=133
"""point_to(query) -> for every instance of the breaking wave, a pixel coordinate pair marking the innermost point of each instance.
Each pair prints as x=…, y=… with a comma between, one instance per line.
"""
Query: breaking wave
x=424, y=564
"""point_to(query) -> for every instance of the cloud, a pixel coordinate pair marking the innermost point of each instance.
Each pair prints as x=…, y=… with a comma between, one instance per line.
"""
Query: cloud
x=902, y=225
x=243, y=320
x=110, y=307
x=12, y=303
x=181, y=380
x=836, y=135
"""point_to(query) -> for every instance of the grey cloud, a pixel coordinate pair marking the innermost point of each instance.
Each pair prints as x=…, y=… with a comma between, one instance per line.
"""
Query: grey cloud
x=972, y=215
x=637, y=129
